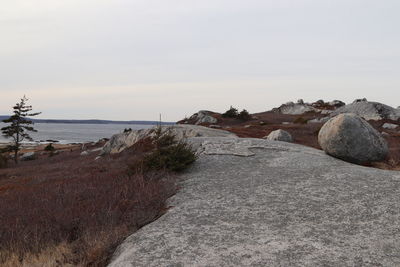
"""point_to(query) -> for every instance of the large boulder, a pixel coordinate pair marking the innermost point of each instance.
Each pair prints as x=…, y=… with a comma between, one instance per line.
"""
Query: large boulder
x=369, y=110
x=119, y=142
x=279, y=135
x=350, y=138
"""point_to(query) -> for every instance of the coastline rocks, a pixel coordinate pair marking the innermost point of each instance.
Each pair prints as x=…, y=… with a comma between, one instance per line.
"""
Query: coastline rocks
x=390, y=126
x=280, y=135
x=369, y=110
x=350, y=138
x=119, y=142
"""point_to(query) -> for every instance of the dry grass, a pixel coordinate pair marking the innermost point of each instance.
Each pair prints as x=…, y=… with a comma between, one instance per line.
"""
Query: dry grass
x=73, y=210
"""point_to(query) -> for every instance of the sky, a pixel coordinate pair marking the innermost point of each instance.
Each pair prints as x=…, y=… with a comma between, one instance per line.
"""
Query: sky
x=136, y=59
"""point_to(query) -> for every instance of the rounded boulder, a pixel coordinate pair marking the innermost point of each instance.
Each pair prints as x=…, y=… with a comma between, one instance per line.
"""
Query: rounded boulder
x=280, y=135
x=351, y=138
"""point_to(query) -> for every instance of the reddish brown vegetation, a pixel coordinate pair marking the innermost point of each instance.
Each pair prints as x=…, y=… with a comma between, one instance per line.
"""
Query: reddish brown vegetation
x=73, y=202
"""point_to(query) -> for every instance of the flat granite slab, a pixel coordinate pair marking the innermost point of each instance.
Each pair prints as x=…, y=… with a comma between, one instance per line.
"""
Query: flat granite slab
x=253, y=202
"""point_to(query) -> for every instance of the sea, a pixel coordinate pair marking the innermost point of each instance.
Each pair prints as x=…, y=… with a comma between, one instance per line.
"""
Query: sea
x=68, y=133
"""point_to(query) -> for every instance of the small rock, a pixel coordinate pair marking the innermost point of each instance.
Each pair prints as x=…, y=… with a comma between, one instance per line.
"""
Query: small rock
x=215, y=126
x=326, y=111
x=84, y=153
x=390, y=126
x=29, y=156
x=385, y=134
x=318, y=120
x=247, y=126
x=286, y=122
x=279, y=135
x=96, y=149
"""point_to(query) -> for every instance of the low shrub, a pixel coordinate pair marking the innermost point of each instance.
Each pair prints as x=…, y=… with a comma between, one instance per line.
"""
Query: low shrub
x=168, y=154
x=49, y=148
x=244, y=115
x=176, y=157
x=230, y=113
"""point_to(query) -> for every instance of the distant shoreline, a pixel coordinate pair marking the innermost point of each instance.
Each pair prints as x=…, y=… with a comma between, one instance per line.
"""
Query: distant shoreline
x=75, y=132
x=94, y=121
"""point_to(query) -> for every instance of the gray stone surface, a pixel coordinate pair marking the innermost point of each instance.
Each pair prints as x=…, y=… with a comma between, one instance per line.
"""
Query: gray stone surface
x=286, y=205
x=279, y=135
x=351, y=138
x=369, y=110
x=119, y=142
x=203, y=116
x=294, y=108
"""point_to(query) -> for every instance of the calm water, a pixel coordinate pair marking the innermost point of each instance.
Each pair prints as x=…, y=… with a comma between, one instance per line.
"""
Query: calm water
x=76, y=133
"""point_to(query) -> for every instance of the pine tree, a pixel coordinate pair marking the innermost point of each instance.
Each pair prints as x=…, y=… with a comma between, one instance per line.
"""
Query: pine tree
x=19, y=126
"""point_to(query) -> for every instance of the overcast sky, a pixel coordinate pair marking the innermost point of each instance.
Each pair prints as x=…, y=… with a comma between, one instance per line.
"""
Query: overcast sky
x=134, y=59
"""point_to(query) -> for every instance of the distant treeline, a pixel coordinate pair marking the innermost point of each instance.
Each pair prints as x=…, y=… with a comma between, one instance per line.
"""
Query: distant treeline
x=94, y=121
